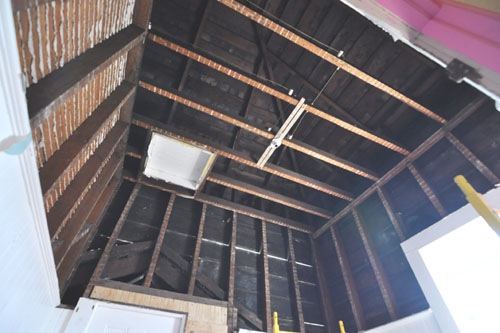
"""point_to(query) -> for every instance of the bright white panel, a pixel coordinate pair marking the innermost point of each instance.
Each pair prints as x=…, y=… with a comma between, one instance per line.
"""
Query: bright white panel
x=94, y=316
x=456, y=262
x=176, y=162
x=465, y=266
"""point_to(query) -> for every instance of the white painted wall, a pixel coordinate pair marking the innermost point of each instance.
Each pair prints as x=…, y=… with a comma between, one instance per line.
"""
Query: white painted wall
x=422, y=322
x=29, y=292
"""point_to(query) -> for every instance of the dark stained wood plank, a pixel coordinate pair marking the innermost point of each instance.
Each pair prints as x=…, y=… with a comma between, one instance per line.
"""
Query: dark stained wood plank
x=159, y=242
x=232, y=258
x=197, y=248
x=427, y=190
x=46, y=95
x=352, y=292
x=72, y=196
x=265, y=282
x=469, y=109
x=326, y=303
x=119, y=251
x=96, y=275
x=295, y=280
x=70, y=233
x=377, y=267
x=72, y=150
x=244, y=124
x=258, y=84
x=473, y=159
x=268, y=195
x=67, y=266
x=294, y=38
x=237, y=156
x=390, y=212
x=255, y=213
x=142, y=13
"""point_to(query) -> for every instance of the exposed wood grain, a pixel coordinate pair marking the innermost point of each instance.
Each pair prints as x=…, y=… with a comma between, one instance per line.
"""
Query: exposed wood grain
x=256, y=83
x=473, y=159
x=295, y=279
x=96, y=275
x=326, y=303
x=469, y=109
x=268, y=195
x=232, y=258
x=237, y=156
x=294, y=38
x=377, y=267
x=72, y=197
x=265, y=277
x=244, y=124
x=197, y=248
x=352, y=291
x=392, y=216
x=427, y=190
x=48, y=94
x=159, y=241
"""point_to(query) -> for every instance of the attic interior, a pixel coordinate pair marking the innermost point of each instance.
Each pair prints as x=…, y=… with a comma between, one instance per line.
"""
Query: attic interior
x=314, y=234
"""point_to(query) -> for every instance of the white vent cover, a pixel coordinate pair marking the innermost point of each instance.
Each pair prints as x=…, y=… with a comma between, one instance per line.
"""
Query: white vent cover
x=176, y=162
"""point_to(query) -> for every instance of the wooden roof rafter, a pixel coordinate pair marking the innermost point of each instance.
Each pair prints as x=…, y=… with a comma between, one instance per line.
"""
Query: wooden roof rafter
x=237, y=74
x=243, y=124
x=327, y=56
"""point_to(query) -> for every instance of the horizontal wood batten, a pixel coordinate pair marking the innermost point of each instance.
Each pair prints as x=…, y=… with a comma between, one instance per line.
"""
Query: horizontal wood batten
x=268, y=195
x=325, y=55
x=244, y=124
x=239, y=157
x=236, y=74
x=419, y=151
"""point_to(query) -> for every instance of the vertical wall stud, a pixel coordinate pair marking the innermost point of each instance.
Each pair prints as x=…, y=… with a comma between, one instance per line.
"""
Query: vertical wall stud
x=196, y=255
x=159, y=242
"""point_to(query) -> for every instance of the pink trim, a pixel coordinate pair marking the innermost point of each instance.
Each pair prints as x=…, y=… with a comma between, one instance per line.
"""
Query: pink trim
x=475, y=34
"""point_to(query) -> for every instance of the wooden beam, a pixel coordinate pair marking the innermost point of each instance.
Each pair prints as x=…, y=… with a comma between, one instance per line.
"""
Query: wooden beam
x=189, y=62
x=378, y=269
x=237, y=156
x=427, y=190
x=473, y=159
x=326, y=304
x=327, y=56
x=209, y=285
x=295, y=280
x=119, y=251
x=242, y=209
x=68, y=264
x=255, y=213
x=197, y=248
x=96, y=275
x=265, y=276
x=82, y=141
x=268, y=195
x=398, y=227
x=46, y=95
x=159, y=242
x=258, y=84
x=419, y=151
x=350, y=286
x=81, y=184
x=70, y=233
x=232, y=259
x=244, y=124
x=336, y=108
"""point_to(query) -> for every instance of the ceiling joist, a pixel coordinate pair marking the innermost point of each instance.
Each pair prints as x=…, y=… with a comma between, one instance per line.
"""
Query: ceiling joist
x=327, y=56
x=419, y=151
x=240, y=157
x=244, y=124
x=268, y=195
x=238, y=75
